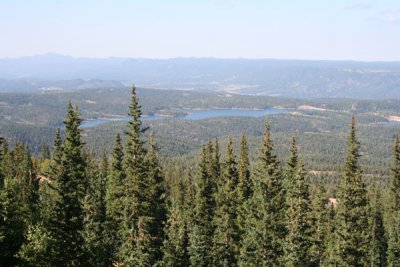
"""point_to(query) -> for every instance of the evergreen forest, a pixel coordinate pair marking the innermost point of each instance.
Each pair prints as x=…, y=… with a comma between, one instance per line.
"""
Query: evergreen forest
x=71, y=205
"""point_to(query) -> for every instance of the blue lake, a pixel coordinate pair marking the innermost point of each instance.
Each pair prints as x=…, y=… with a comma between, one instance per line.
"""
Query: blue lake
x=194, y=115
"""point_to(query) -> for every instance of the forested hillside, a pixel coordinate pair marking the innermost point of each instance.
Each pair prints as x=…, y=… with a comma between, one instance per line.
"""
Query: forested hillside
x=69, y=206
x=319, y=124
x=271, y=77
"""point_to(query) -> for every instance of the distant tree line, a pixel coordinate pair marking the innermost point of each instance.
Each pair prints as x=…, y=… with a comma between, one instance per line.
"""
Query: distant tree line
x=71, y=208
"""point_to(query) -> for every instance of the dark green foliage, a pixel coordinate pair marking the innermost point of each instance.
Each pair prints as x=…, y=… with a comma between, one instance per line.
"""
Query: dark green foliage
x=393, y=216
x=330, y=256
x=136, y=220
x=377, y=243
x=176, y=243
x=144, y=199
x=395, y=179
x=97, y=240
x=245, y=184
x=226, y=234
x=351, y=216
x=45, y=152
x=72, y=209
x=40, y=249
x=157, y=196
x=71, y=182
x=244, y=187
x=115, y=192
x=18, y=201
x=202, y=228
x=319, y=227
x=265, y=227
x=298, y=239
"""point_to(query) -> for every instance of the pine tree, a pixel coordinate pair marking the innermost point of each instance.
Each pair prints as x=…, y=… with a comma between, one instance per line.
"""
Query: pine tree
x=298, y=239
x=378, y=245
x=71, y=185
x=226, y=239
x=320, y=213
x=200, y=239
x=351, y=216
x=115, y=193
x=393, y=220
x=265, y=228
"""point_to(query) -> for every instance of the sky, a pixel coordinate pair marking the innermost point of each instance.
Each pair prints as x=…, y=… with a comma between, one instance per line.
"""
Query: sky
x=367, y=30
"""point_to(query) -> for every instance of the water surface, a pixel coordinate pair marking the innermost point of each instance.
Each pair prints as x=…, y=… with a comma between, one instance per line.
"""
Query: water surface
x=195, y=115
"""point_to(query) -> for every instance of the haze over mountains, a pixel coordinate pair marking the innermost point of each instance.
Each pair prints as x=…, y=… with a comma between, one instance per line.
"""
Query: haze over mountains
x=274, y=77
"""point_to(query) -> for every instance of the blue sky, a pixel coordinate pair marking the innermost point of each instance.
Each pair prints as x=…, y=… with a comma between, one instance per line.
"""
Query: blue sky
x=295, y=29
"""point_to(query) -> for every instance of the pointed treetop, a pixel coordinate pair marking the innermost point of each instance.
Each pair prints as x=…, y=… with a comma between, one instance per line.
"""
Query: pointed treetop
x=231, y=154
x=293, y=159
x=267, y=148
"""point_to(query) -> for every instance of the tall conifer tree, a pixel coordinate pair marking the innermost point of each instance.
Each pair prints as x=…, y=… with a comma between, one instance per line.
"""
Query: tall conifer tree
x=298, y=239
x=157, y=195
x=97, y=242
x=262, y=243
x=200, y=239
x=378, y=244
x=115, y=193
x=71, y=185
x=226, y=236
x=393, y=218
x=244, y=188
x=351, y=216
x=143, y=219
x=319, y=220
x=176, y=243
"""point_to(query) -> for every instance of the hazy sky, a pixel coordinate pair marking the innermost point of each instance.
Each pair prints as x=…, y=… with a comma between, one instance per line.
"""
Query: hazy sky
x=299, y=29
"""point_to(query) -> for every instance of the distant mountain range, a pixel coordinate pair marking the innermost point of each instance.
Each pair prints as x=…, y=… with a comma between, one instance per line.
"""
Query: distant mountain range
x=288, y=78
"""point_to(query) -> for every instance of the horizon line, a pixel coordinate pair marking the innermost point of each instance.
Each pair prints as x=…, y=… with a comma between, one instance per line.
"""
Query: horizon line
x=194, y=57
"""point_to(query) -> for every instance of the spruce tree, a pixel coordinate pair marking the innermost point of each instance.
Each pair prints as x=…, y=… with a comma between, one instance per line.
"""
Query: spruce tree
x=19, y=201
x=265, y=227
x=115, y=193
x=298, y=240
x=331, y=241
x=291, y=166
x=71, y=187
x=378, y=245
x=245, y=184
x=40, y=248
x=176, y=242
x=157, y=196
x=200, y=239
x=97, y=242
x=351, y=215
x=141, y=221
x=226, y=235
x=244, y=188
x=319, y=220
x=393, y=218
